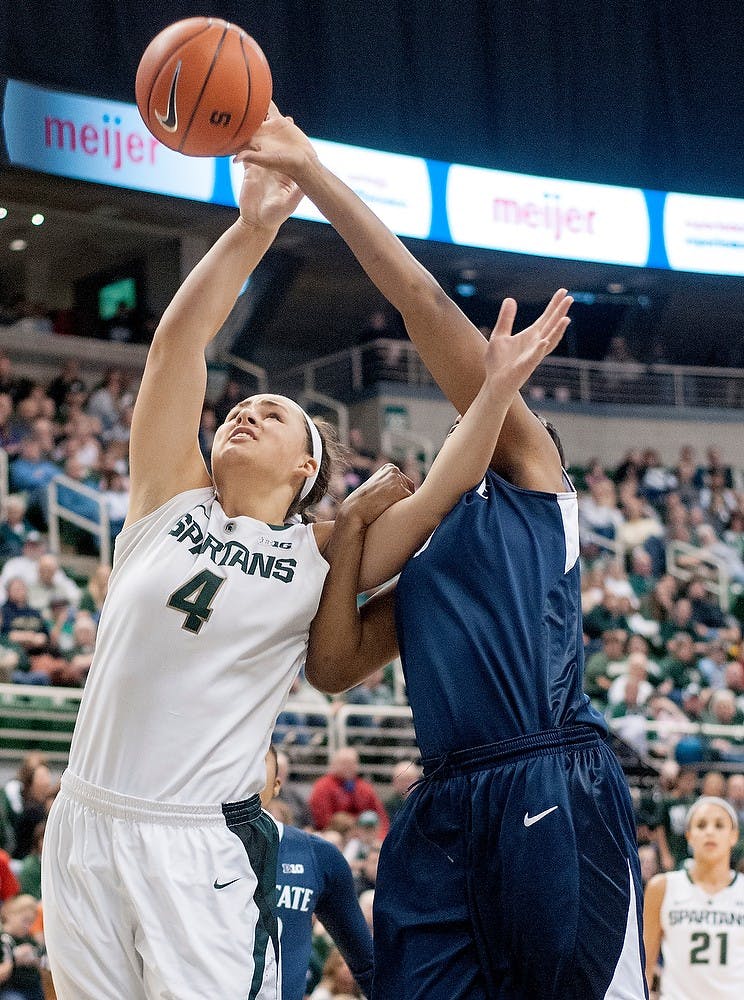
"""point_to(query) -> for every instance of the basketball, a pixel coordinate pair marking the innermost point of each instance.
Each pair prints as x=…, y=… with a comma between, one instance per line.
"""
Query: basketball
x=203, y=87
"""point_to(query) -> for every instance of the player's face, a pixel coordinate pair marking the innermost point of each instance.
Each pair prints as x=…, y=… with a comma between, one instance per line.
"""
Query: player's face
x=266, y=431
x=711, y=833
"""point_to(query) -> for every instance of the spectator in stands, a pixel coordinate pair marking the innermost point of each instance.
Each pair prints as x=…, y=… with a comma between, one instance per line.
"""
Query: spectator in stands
x=342, y=790
x=337, y=982
x=9, y=885
x=598, y=512
x=14, y=528
x=207, y=430
x=50, y=583
x=122, y=429
x=714, y=463
x=657, y=481
x=714, y=784
x=30, y=873
x=723, y=711
x=405, y=774
x=67, y=380
x=718, y=500
x=80, y=655
x=635, y=669
x=641, y=577
x=679, y=621
x=365, y=876
x=95, y=593
x=364, y=837
x=706, y=614
x=630, y=469
x=607, y=615
x=230, y=396
x=9, y=382
x=11, y=434
x=627, y=713
x=734, y=680
x=603, y=666
x=641, y=523
x=692, y=702
x=673, y=811
x=648, y=855
x=114, y=489
x=11, y=795
x=30, y=473
x=21, y=624
x=290, y=795
x=735, y=795
x=106, y=400
x=22, y=955
x=36, y=790
x=712, y=665
x=680, y=667
x=712, y=545
x=121, y=327
x=81, y=504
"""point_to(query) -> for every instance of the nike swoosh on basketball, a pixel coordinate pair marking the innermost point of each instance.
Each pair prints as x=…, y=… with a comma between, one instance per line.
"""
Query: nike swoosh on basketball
x=224, y=885
x=170, y=120
x=529, y=820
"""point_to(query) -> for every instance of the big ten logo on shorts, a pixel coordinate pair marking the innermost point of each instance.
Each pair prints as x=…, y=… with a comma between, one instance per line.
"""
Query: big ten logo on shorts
x=96, y=140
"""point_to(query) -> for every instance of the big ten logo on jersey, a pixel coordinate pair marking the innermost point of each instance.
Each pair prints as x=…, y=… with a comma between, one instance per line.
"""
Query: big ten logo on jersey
x=232, y=553
x=273, y=542
x=294, y=897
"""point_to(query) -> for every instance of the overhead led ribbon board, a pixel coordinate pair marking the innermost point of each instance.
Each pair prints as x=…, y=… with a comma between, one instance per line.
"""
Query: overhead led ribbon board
x=106, y=142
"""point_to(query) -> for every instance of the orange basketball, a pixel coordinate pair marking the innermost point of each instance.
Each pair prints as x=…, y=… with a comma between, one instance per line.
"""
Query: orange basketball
x=203, y=87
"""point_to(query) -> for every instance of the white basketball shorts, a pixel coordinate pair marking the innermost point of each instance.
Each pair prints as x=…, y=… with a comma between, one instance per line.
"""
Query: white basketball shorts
x=146, y=900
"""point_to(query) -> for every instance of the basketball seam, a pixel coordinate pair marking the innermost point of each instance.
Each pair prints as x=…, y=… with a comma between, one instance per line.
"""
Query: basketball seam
x=166, y=63
x=197, y=102
x=247, y=101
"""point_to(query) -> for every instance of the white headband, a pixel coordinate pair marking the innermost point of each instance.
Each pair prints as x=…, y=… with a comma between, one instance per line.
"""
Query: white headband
x=317, y=455
x=712, y=800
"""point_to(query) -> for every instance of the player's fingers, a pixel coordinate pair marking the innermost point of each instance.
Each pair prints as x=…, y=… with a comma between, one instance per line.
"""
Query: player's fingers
x=505, y=321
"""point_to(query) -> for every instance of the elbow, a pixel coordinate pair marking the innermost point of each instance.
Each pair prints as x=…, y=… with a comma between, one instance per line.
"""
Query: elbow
x=324, y=675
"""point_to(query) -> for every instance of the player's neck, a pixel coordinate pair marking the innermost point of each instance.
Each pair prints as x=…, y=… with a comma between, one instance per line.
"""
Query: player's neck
x=711, y=877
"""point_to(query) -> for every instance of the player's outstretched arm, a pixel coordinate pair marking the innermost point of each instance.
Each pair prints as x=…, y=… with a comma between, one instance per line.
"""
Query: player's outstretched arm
x=338, y=910
x=464, y=458
x=345, y=647
x=652, y=902
x=164, y=452
x=450, y=346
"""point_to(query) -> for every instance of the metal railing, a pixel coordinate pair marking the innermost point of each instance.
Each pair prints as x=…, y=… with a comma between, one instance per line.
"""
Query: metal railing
x=258, y=374
x=563, y=380
x=100, y=528
x=699, y=562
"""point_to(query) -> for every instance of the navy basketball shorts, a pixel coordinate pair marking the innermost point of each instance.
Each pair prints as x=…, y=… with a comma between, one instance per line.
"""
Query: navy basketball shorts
x=512, y=872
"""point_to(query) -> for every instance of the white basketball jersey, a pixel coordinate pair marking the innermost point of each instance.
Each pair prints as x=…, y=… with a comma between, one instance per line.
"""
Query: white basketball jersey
x=203, y=631
x=703, y=943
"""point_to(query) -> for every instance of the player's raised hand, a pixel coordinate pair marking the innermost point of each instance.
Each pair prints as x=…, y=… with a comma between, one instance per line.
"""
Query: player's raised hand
x=267, y=197
x=280, y=145
x=383, y=488
x=514, y=357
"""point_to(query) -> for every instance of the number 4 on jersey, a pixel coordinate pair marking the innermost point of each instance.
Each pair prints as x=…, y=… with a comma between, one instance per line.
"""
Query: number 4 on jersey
x=194, y=599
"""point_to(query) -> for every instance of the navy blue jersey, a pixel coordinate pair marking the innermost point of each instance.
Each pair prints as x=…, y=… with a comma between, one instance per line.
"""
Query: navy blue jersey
x=314, y=877
x=489, y=620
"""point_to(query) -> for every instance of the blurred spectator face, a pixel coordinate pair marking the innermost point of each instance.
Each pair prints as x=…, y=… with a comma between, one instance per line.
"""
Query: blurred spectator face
x=649, y=858
x=682, y=611
x=6, y=408
x=17, y=592
x=27, y=409
x=715, y=459
x=735, y=790
x=40, y=785
x=637, y=668
x=734, y=677
x=345, y=764
x=682, y=647
x=668, y=775
x=641, y=563
x=634, y=508
x=696, y=590
x=686, y=782
x=638, y=644
x=370, y=863
x=19, y=914
x=723, y=707
x=84, y=631
x=714, y=784
x=15, y=509
x=47, y=567
x=613, y=643
x=30, y=450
